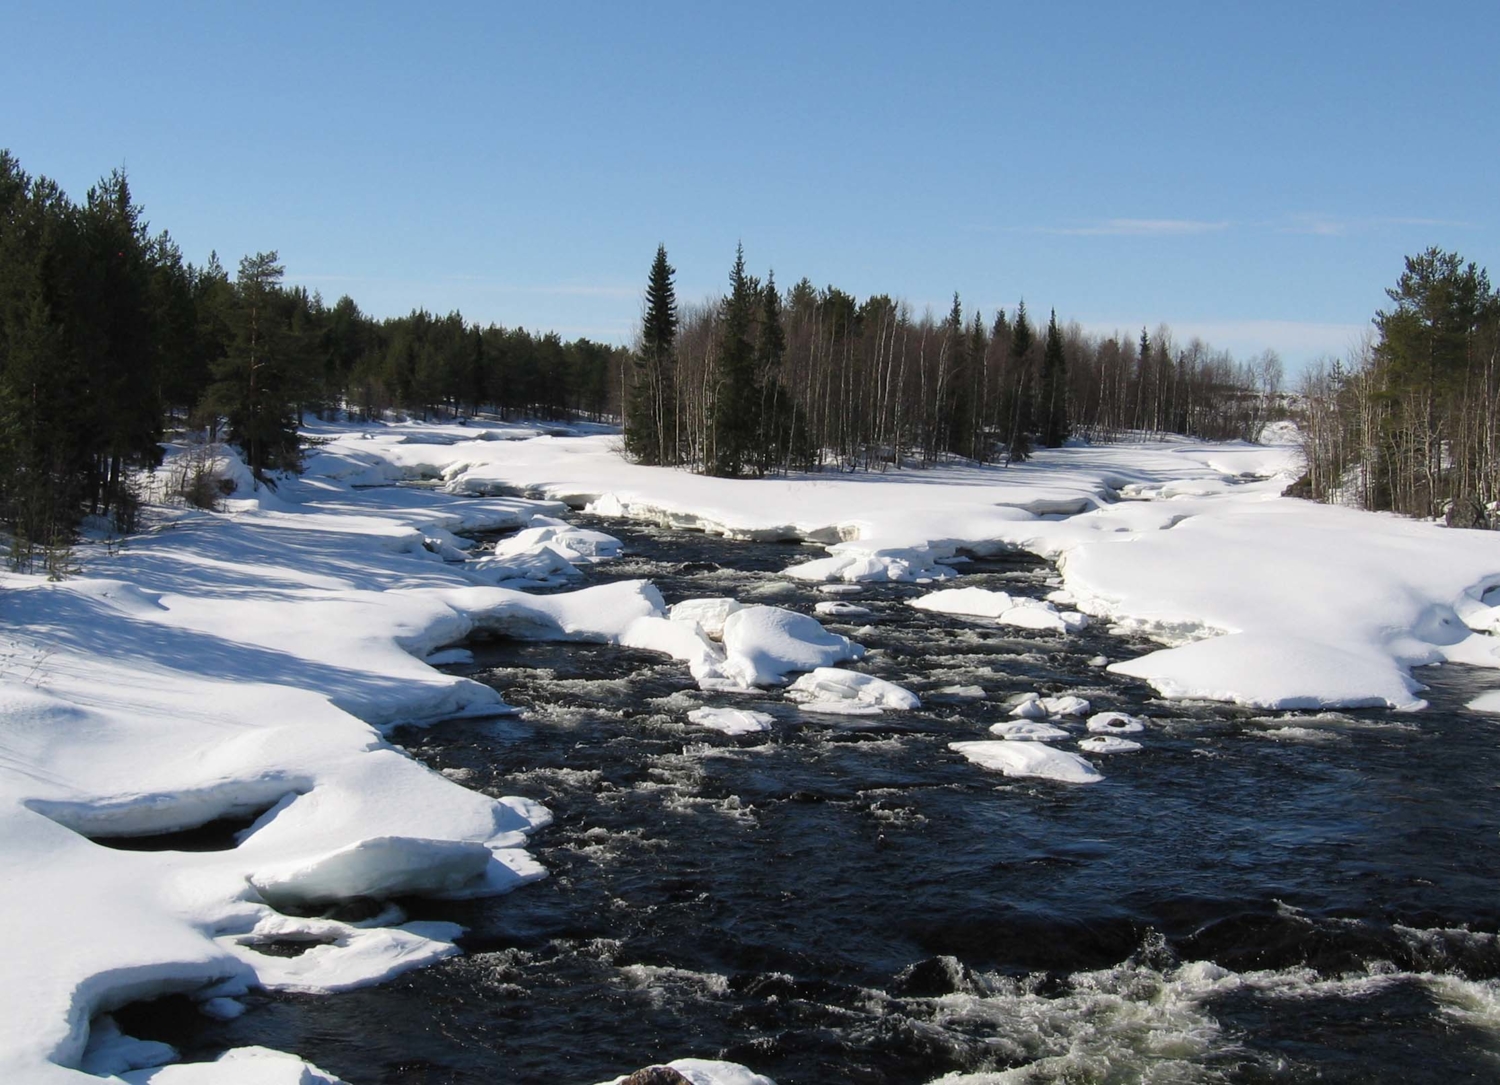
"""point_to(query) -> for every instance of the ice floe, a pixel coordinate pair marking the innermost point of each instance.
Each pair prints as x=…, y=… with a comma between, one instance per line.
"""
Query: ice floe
x=1019, y=611
x=1027, y=731
x=829, y=689
x=1108, y=744
x=1032, y=706
x=1115, y=723
x=732, y=721
x=1028, y=759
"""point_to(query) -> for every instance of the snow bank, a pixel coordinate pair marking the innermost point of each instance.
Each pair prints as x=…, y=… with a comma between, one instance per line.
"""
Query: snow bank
x=1029, y=759
x=1258, y=599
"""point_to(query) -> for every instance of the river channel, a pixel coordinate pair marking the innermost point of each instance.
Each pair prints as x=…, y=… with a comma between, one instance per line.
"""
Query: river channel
x=1252, y=897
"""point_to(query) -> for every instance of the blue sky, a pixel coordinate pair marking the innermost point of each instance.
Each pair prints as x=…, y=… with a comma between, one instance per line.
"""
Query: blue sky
x=1250, y=173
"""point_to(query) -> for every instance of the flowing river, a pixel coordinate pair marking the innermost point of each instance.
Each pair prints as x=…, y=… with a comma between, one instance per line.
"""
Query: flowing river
x=1251, y=897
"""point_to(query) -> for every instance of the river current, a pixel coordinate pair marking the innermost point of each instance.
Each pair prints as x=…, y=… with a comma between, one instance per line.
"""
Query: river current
x=1252, y=897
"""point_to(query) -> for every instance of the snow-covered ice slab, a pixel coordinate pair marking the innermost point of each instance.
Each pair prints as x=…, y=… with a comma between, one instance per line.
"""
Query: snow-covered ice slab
x=1108, y=744
x=709, y=1072
x=829, y=689
x=763, y=645
x=1013, y=610
x=1029, y=759
x=1115, y=723
x=1027, y=731
x=852, y=564
x=732, y=721
x=1032, y=706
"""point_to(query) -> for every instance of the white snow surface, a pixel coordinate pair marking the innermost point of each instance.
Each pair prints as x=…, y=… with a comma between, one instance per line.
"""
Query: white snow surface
x=1258, y=599
x=732, y=721
x=1015, y=610
x=243, y=662
x=829, y=689
x=1028, y=759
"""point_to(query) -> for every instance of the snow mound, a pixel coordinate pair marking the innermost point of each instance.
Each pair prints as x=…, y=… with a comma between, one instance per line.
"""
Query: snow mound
x=1013, y=610
x=1108, y=744
x=852, y=563
x=763, y=645
x=829, y=689
x=1031, y=706
x=1029, y=759
x=1115, y=723
x=732, y=721
x=1027, y=731
x=710, y=614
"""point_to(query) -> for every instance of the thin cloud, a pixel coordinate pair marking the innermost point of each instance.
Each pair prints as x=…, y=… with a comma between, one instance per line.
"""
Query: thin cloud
x=1136, y=228
x=1335, y=226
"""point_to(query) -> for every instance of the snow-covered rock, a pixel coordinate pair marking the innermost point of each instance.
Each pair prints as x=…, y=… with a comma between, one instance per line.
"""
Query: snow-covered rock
x=1115, y=723
x=1108, y=744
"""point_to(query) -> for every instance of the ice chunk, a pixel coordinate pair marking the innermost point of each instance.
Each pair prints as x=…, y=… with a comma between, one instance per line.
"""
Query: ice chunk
x=1115, y=723
x=1018, y=611
x=829, y=688
x=110, y=1051
x=851, y=562
x=221, y=1008
x=832, y=608
x=1027, y=731
x=709, y=1072
x=1029, y=759
x=764, y=644
x=1030, y=706
x=449, y=656
x=1489, y=701
x=732, y=721
x=1108, y=744
x=382, y=866
x=709, y=613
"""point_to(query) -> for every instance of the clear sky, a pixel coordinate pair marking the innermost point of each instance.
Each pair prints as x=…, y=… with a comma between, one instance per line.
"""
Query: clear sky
x=1253, y=173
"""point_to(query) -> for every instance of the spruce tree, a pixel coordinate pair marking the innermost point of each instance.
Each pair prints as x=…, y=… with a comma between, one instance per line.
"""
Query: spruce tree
x=769, y=352
x=736, y=403
x=651, y=413
x=1022, y=387
x=1054, y=388
x=254, y=386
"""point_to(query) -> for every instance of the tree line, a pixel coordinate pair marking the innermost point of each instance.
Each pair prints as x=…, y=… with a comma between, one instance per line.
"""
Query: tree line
x=1411, y=422
x=761, y=380
x=109, y=338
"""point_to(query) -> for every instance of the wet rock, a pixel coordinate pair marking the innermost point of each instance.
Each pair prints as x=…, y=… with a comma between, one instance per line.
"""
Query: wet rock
x=656, y=1075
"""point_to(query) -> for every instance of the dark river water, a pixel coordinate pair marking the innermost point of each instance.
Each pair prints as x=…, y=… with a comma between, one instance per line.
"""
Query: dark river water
x=1251, y=897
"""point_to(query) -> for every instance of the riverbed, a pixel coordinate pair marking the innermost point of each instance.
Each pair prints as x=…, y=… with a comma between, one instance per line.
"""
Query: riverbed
x=1250, y=897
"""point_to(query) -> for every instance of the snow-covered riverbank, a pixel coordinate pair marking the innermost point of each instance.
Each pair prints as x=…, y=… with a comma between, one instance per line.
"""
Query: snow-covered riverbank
x=241, y=665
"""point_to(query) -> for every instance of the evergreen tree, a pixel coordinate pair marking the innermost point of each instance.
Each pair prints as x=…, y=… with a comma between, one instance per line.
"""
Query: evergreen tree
x=651, y=413
x=1054, y=388
x=770, y=350
x=736, y=403
x=252, y=390
x=1022, y=392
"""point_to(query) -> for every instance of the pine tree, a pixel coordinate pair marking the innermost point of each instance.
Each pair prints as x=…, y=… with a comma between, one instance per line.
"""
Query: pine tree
x=1054, y=388
x=651, y=412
